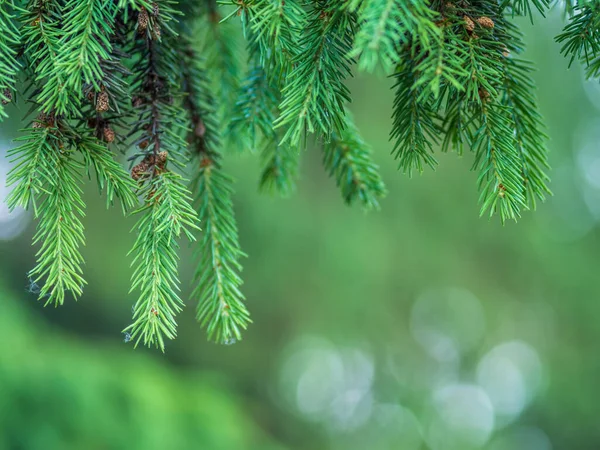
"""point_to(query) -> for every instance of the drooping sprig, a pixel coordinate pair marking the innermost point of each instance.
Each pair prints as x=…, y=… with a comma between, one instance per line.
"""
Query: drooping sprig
x=166, y=213
x=221, y=304
x=315, y=94
x=386, y=27
x=47, y=178
x=10, y=39
x=347, y=159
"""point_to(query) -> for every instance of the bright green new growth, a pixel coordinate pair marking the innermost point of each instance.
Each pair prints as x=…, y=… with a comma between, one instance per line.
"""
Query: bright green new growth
x=180, y=85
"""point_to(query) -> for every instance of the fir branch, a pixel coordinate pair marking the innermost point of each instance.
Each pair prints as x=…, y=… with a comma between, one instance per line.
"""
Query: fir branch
x=580, y=38
x=220, y=49
x=253, y=114
x=41, y=33
x=165, y=216
x=272, y=27
x=414, y=128
x=499, y=163
x=280, y=168
x=221, y=305
x=88, y=26
x=9, y=66
x=167, y=212
x=47, y=176
x=386, y=26
x=347, y=158
x=524, y=7
x=530, y=137
x=315, y=93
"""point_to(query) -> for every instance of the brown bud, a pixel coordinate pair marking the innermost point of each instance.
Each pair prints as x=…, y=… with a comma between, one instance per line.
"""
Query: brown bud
x=156, y=31
x=143, y=20
x=144, y=144
x=102, y=102
x=137, y=101
x=486, y=22
x=155, y=9
x=483, y=94
x=8, y=96
x=506, y=52
x=109, y=134
x=469, y=24
x=161, y=159
x=138, y=171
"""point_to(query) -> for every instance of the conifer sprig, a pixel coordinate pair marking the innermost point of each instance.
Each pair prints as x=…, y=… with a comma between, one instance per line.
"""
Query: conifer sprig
x=387, y=26
x=347, y=158
x=155, y=76
x=9, y=66
x=165, y=216
x=415, y=129
x=221, y=308
x=315, y=93
x=41, y=24
x=85, y=42
x=47, y=176
x=221, y=305
x=166, y=213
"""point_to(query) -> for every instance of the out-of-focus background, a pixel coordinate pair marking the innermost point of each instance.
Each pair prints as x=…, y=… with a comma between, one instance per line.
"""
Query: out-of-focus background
x=418, y=327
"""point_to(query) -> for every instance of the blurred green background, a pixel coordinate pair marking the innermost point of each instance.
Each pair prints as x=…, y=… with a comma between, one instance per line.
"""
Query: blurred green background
x=418, y=327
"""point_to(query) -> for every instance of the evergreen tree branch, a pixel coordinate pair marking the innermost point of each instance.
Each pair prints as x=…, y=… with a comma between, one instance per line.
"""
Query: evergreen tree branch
x=88, y=27
x=47, y=176
x=9, y=66
x=386, y=26
x=167, y=212
x=414, y=128
x=315, y=93
x=347, y=158
x=164, y=217
x=221, y=308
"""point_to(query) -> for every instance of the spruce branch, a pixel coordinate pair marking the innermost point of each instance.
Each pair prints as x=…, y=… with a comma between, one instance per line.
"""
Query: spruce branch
x=41, y=32
x=253, y=115
x=46, y=175
x=415, y=130
x=165, y=216
x=221, y=308
x=221, y=305
x=530, y=138
x=524, y=7
x=219, y=47
x=315, y=93
x=272, y=28
x=387, y=26
x=166, y=213
x=580, y=38
x=347, y=158
x=9, y=66
x=499, y=163
x=85, y=42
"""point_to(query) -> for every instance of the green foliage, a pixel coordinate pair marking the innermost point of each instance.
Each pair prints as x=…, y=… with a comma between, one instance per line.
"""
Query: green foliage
x=346, y=158
x=386, y=26
x=221, y=304
x=86, y=42
x=9, y=66
x=164, y=217
x=315, y=93
x=170, y=84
